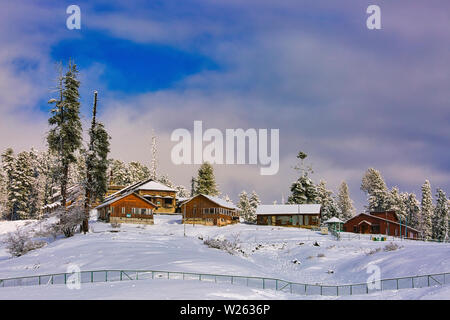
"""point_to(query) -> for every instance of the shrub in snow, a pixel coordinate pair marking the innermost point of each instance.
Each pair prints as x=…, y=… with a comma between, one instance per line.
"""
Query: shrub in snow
x=295, y=261
x=18, y=243
x=316, y=244
x=223, y=244
x=115, y=225
x=391, y=247
x=321, y=255
x=373, y=251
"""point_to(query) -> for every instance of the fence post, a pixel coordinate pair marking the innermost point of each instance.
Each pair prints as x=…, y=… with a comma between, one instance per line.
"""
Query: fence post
x=106, y=276
x=264, y=284
x=120, y=275
x=412, y=282
x=276, y=284
x=137, y=275
x=39, y=280
x=320, y=290
x=65, y=278
x=92, y=276
x=397, y=283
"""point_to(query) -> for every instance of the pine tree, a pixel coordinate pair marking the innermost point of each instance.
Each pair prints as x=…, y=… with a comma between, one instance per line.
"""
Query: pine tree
x=182, y=192
x=96, y=164
x=137, y=172
x=164, y=179
x=245, y=207
x=344, y=203
x=426, y=211
x=329, y=206
x=441, y=217
x=412, y=210
x=375, y=188
x=303, y=190
x=396, y=201
x=22, y=185
x=64, y=137
x=206, y=182
x=118, y=173
x=3, y=195
x=254, y=203
x=8, y=164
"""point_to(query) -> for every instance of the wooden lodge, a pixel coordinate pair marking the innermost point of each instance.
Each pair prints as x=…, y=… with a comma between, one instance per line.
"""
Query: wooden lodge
x=386, y=223
x=127, y=208
x=161, y=195
x=289, y=215
x=209, y=210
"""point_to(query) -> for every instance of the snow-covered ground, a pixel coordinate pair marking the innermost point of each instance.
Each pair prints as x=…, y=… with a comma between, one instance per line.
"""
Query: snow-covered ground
x=266, y=251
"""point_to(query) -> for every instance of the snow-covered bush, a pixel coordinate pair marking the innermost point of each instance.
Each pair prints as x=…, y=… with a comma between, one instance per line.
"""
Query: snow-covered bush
x=115, y=225
x=391, y=247
x=223, y=244
x=19, y=242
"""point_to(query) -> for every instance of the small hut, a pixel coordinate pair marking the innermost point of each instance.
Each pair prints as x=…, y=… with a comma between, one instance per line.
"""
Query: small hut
x=335, y=224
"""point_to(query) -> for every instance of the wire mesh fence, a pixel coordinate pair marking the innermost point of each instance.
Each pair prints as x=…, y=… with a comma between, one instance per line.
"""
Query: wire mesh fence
x=99, y=276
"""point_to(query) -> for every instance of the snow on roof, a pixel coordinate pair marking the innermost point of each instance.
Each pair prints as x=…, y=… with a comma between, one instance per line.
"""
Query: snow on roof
x=153, y=185
x=217, y=200
x=288, y=209
x=334, y=220
x=107, y=203
x=148, y=184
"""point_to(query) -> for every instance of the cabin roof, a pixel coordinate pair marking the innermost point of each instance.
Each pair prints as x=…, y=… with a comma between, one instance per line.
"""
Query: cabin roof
x=379, y=218
x=216, y=200
x=268, y=209
x=111, y=201
x=148, y=184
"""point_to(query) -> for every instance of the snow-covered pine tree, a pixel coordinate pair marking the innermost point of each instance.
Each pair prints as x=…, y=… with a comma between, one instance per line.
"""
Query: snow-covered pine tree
x=165, y=180
x=206, y=182
x=96, y=164
x=412, y=210
x=303, y=190
x=182, y=192
x=375, y=188
x=3, y=195
x=118, y=173
x=22, y=186
x=325, y=197
x=8, y=164
x=245, y=206
x=64, y=137
x=254, y=203
x=396, y=201
x=426, y=211
x=344, y=203
x=137, y=172
x=441, y=216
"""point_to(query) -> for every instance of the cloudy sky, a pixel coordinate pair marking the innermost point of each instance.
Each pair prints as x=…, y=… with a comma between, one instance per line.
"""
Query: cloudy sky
x=351, y=98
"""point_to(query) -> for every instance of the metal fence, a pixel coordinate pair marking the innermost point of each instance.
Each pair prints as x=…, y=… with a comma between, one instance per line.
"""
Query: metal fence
x=419, y=281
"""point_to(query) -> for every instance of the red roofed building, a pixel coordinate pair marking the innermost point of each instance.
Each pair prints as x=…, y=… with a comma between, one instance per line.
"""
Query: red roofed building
x=386, y=223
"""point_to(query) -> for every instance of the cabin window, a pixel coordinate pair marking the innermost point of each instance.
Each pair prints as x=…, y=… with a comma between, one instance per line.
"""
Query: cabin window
x=168, y=202
x=300, y=220
x=143, y=211
x=112, y=209
x=123, y=210
x=306, y=220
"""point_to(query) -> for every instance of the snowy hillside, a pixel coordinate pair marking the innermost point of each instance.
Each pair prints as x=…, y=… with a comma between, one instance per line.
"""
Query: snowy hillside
x=284, y=253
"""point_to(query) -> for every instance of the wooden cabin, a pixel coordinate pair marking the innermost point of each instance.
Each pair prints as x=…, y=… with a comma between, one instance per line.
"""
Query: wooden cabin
x=386, y=223
x=209, y=210
x=161, y=195
x=289, y=215
x=127, y=208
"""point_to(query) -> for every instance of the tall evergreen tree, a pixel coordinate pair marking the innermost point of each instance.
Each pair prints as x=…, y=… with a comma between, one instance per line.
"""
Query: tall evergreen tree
x=154, y=161
x=206, y=182
x=426, y=211
x=441, y=217
x=246, y=209
x=64, y=137
x=22, y=186
x=303, y=190
x=8, y=163
x=412, y=210
x=254, y=203
x=96, y=164
x=375, y=188
x=329, y=206
x=344, y=203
